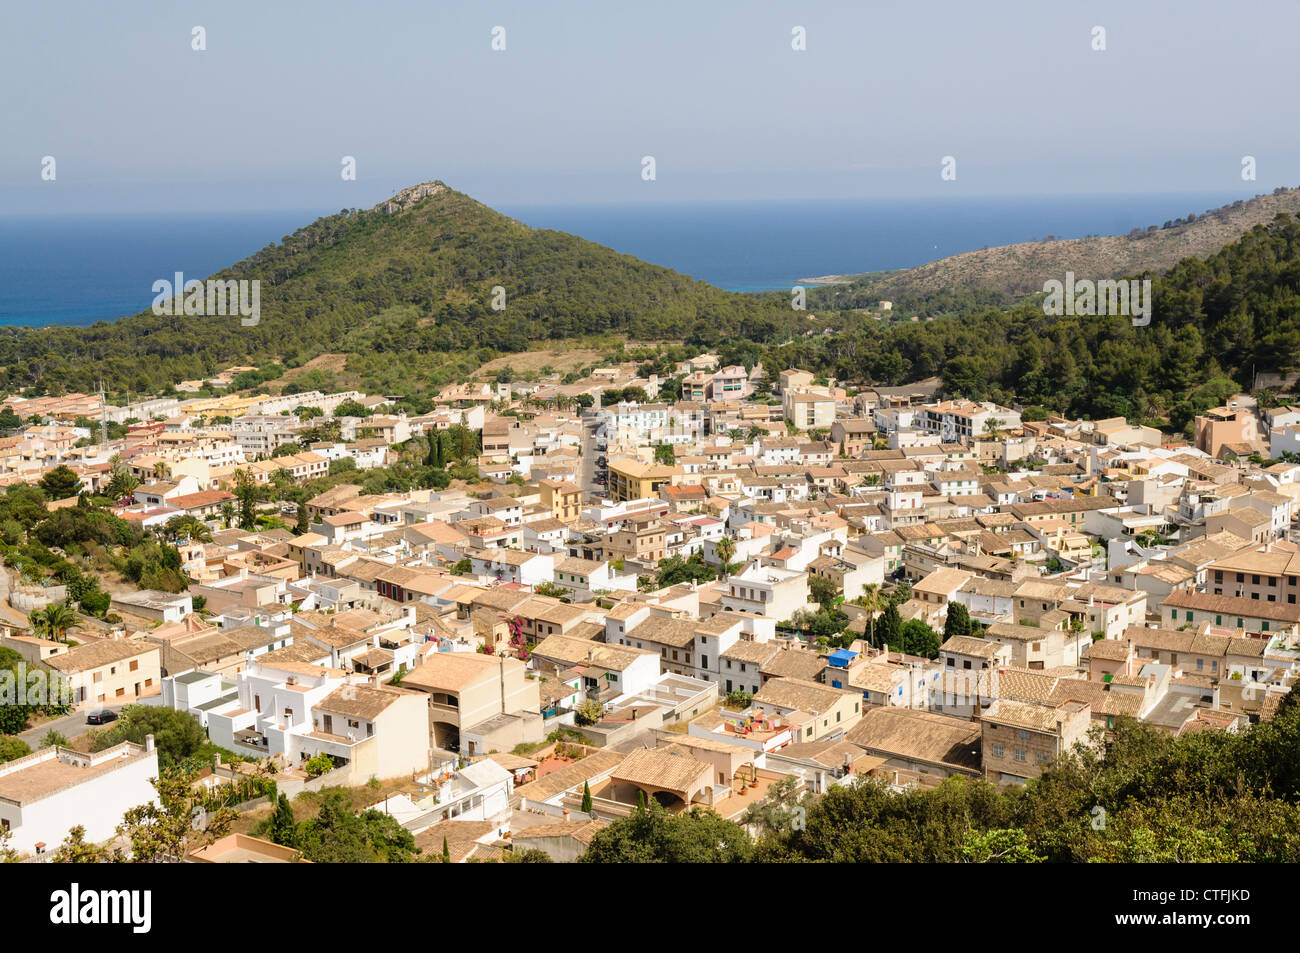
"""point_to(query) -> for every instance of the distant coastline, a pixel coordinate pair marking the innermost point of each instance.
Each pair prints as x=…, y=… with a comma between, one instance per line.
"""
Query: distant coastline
x=80, y=270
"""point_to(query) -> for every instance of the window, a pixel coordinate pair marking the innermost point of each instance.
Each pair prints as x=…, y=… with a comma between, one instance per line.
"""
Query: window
x=999, y=751
x=1020, y=754
x=134, y=664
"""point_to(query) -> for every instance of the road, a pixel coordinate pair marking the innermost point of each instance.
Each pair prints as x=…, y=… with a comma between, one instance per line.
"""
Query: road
x=68, y=725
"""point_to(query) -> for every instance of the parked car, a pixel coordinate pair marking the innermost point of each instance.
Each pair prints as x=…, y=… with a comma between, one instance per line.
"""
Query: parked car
x=101, y=717
x=601, y=461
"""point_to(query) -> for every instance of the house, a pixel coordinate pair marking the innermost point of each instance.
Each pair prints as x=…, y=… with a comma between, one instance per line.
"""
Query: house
x=819, y=711
x=918, y=744
x=477, y=703
x=380, y=731
x=110, y=670
x=46, y=793
x=1255, y=616
x=767, y=591
x=1019, y=740
x=563, y=498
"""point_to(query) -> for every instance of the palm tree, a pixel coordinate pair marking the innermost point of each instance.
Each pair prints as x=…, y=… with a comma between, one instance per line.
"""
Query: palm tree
x=36, y=619
x=873, y=600
x=53, y=622
x=726, y=548
x=1076, y=626
x=121, y=485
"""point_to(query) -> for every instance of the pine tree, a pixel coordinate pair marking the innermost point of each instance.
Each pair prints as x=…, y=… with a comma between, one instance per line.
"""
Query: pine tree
x=283, y=826
x=446, y=853
x=303, y=524
x=586, y=798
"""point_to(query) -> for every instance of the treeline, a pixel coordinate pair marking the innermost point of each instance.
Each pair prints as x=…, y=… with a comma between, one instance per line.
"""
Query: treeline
x=1214, y=324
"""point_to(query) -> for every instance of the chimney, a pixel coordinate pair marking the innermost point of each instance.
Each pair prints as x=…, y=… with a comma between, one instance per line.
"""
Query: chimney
x=566, y=815
x=148, y=742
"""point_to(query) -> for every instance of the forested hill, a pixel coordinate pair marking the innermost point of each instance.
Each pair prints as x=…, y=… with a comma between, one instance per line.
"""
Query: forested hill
x=415, y=276
x=1011, y=271
x=1215, y=322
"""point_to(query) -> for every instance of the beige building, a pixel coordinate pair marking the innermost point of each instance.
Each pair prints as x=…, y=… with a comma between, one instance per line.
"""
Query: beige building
x=476, y=700
x=1020, y=740
x=110, y=670
x=817, y=711
x=380, y=731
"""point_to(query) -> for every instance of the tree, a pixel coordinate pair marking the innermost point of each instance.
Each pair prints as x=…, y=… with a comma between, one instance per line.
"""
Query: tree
x=53, y=622
x=12, y=747
x=776, y=812
x=175, y=827
x=339, y=835
x=351, y=408
x=917, y=638
x=665, y=454
x=891, y=626
x=824, y=592
x=318, y=764
x=121, y=485
x=283, y=829
x=993, y=427
x=530, y=856
x=248, y=493
x=303, y=525
x=53, y=738
x=75, y=850
x=177, y=734
x=588, y=713
x=725, y=548
x=1006, y=846
x=653, y=835
x=586, y=798
x=873, y=600
x=957, y=621
x=60, y=483
x=187, y=527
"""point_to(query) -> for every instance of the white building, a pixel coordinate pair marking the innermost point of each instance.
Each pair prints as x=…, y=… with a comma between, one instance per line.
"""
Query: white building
x=45, y=794
x=767, y=591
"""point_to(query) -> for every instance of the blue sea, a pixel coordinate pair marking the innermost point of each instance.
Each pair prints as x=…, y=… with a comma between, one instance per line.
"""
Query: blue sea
x=76, y=270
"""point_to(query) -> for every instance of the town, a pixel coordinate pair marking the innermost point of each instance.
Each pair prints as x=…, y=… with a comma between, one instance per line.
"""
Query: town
x=623, y=591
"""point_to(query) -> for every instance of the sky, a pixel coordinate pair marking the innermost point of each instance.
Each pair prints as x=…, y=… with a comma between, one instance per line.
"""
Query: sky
x=1014, y=91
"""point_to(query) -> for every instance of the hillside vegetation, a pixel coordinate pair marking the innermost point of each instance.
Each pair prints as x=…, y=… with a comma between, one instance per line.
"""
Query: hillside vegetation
x=1215, y=323
x=1012, y=271
x=413, y=276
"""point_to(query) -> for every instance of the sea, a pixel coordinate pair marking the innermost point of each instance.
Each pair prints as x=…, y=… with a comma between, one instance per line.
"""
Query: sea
x=77, y=270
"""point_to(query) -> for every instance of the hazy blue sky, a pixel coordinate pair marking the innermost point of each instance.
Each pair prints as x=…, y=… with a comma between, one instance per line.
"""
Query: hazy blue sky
x=136, y=119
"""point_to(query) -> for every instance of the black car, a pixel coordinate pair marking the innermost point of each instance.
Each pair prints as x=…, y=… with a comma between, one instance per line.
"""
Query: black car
x=600, y=461
x=101, y=717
